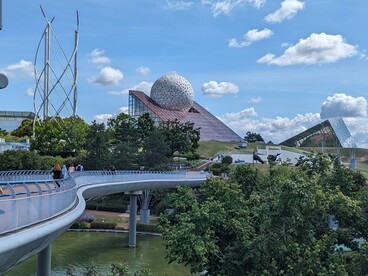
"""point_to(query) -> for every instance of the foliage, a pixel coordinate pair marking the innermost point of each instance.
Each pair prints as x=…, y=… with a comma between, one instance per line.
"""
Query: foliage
x=97, y=146
x=155, y=152
x=219, y=168
x=181, y=137
x=57, y=136
x=152, y=228
x=102, y=225
x=271, y=224
x=253, y=137
x=227, y=160
x=111, y=203
x=24, y=130
x=116, y=270
x=24, y=160
x=79, y=225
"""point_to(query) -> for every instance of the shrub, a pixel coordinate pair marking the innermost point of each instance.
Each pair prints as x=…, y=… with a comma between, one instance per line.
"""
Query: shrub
x=102, y=225
x=147, y=228
x=79, y=225
x=227, y=160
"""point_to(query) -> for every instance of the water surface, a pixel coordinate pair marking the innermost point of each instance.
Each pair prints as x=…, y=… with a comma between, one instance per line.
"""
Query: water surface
x=77, y=250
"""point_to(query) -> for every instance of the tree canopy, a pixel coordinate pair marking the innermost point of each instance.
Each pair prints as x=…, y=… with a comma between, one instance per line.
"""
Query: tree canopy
x=270, y=224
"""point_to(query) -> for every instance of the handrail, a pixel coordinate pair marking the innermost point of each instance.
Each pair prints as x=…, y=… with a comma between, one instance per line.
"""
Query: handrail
x=27, y=202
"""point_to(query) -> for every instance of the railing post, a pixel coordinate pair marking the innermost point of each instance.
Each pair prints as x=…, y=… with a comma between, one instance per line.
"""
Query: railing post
x=44, y=262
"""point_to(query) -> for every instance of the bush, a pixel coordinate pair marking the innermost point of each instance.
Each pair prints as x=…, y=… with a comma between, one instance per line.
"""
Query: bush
x=192, y=156
x=102, y=225
x=227, y=160
x=79, y=225
x=147, y=228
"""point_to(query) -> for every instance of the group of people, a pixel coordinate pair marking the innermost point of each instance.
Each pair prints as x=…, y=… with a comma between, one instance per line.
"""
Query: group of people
x=59, y=172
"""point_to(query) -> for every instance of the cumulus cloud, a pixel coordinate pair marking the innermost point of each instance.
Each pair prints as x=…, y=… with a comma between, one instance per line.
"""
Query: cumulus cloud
x=178, y=5
x=107, y=76
x=272, y=129
x=102, y=118
x=143, y=70
x=226, y=6
x=124, y=109
x=142, y=86
x=289, y=8
x=29, y=92
x=98, y=57
x=316, y=49
x=342, y=105
x=21, y=69
x=250, y=37
x=217, y=90
x=358, y=128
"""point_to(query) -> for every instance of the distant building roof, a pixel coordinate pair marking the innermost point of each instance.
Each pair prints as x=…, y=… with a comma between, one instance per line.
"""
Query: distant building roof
x=211, y=128
x=10, y=120
x=332, y=132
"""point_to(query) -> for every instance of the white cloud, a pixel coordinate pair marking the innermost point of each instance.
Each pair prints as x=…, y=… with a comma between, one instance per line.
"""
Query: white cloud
x=142, y=86
x=226, y=6
x=107, y=76
x=30, y=92
x=272, y=129
x=217, y=90
x=98, y=57
x=124, y=109
x=342, y=105
x=255, y=100
x=21, y=69
x=316, y=49
x=250, y=37
x=103, y=118
x=358, y=128
x=289, y=8
x=143, y=70
x=178, y=5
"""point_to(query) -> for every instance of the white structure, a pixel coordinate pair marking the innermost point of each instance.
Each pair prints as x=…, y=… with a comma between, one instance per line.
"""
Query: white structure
x=173, y=92
x=56, y=85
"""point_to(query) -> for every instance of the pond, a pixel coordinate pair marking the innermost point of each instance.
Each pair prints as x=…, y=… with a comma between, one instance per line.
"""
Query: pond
x=77, y=250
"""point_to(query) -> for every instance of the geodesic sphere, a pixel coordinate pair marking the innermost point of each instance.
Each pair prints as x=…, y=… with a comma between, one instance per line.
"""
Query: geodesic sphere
x=173, y=92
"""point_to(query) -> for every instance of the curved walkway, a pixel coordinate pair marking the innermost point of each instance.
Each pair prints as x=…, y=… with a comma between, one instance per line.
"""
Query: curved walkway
x=31, y=221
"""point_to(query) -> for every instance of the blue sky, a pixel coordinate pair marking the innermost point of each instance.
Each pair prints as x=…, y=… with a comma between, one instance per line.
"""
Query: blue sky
x=271, y=67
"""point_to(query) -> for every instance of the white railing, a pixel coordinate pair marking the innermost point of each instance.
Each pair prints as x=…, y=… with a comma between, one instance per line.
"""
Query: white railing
x=24, y=203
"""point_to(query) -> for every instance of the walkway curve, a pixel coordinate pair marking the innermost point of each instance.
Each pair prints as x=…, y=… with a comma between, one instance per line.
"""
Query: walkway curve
x=23, y=242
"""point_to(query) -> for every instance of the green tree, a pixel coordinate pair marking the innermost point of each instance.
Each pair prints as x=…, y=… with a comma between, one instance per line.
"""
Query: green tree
x=155, y=152
x=24, y=160
x=98, y=147
x=57, y=136
x=271, y=224
x=181, y=137
x=24, y=130
x=253, y=137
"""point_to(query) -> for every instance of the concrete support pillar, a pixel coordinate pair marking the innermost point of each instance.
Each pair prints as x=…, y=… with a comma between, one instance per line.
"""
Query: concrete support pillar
x=133, y=217
x=44, y=262
x=132, y=221
x=145, y=216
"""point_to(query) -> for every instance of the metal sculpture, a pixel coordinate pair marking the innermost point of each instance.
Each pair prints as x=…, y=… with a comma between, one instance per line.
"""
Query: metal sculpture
x=55, y=93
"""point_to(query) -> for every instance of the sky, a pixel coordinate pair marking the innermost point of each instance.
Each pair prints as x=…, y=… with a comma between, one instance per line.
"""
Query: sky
x=274, y=67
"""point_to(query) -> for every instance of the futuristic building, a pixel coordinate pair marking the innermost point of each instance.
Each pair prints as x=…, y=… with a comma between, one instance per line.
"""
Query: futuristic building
x=329, y=133
x=172, y=97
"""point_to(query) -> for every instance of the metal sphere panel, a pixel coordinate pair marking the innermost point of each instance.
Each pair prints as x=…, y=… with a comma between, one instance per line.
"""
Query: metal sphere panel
x=173, y=92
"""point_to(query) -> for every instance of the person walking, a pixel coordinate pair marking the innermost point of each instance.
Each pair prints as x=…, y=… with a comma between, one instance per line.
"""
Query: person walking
x=64, y=172
x=56, y=173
